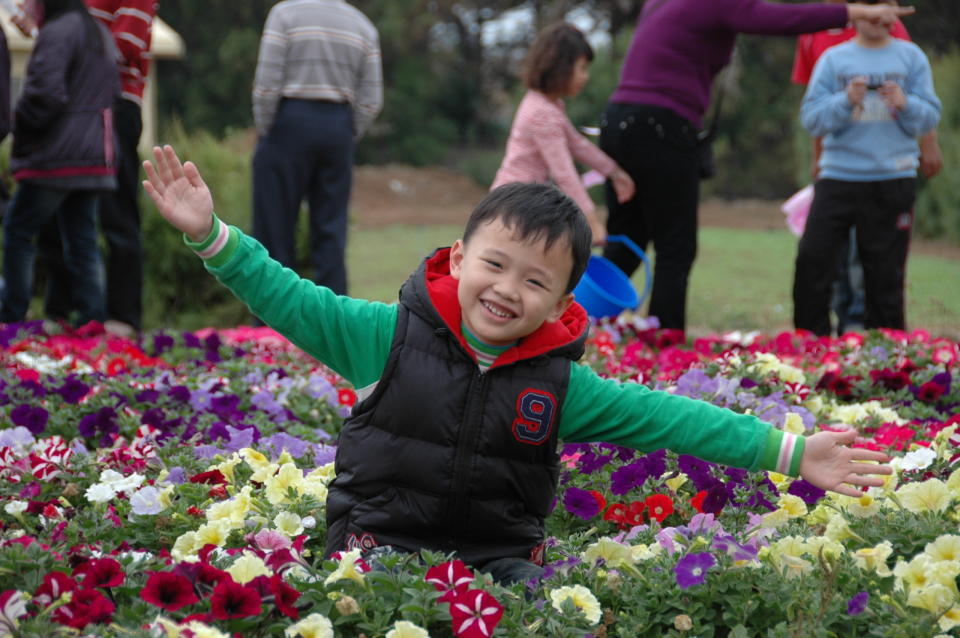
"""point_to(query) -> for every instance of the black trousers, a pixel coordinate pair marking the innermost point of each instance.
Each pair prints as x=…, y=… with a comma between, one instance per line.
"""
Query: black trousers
x=120, y=226
x=308, y=154
x=658, y=149
x=882, y=213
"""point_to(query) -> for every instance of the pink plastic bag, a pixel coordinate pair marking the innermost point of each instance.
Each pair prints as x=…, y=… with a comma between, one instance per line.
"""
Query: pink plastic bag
x=797, y=208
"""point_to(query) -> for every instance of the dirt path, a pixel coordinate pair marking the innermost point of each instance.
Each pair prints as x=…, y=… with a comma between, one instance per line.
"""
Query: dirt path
x=398, y=194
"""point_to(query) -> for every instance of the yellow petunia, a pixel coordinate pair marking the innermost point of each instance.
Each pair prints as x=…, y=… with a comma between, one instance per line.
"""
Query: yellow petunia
x=874, y=558
x=950, y=618
x=914, y=574
x=406, y=629
x=248, y=567
x=278, y=485
x=226, y=467
x=581, y=597
x=185, y=547
x=288, y=523
x=313, y=626
x=347, y=569
x=945, y=547
x=864, y=506
x=793, y=424
x=213, y=533
x=931, y=495
x=934, y=598
x=614, y=554
x=793, y=505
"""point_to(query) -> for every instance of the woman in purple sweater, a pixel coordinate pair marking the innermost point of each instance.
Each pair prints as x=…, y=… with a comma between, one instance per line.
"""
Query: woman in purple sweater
x=651, y=123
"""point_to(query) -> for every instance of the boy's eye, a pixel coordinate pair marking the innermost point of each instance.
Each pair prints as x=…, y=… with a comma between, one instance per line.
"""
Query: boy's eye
x=493, y=263
x=537, y=283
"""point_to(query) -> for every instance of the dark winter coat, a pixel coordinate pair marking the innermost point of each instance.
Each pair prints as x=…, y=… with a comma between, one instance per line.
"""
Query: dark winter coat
x=442, y=456
x=63, y=120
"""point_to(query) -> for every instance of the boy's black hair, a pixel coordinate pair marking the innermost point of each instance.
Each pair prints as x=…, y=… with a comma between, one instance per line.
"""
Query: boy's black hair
x=534, y=212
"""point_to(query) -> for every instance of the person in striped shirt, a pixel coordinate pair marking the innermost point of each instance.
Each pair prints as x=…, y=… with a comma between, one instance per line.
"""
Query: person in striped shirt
x=543, y=143
x=317, y=89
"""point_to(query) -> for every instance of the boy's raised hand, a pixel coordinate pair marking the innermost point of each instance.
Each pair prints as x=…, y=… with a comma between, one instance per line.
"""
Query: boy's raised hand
x=179, y=193
x=830, y=464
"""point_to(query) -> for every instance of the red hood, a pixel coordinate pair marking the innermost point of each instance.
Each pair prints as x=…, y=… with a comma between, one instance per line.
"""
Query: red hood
x=442, y=288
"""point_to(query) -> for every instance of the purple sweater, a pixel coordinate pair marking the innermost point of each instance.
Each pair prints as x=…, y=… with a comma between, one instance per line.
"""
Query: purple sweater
x=678, y=49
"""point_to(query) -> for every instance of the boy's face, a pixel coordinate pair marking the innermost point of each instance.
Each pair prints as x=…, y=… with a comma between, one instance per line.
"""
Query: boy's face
x=875, y=30
x=506, y=287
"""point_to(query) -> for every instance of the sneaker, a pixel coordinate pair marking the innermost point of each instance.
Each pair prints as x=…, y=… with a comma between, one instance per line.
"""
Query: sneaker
x=120, y=329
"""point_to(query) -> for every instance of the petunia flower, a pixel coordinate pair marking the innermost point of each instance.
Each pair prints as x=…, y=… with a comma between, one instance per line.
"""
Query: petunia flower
x=659, y=506
x=313, y=626
x=86, y=606
x=581, y=503
x=233, y=600
x=692, y=569
x=406, y=629
x=475, y=614
x=452, y=578
x=168, y=591
x=100, y=572
x=146, y=501
x=13, y=607
x=351, y=567
x=582, y=599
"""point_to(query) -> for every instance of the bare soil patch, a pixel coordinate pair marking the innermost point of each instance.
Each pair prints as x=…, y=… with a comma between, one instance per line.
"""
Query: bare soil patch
x=400, y=194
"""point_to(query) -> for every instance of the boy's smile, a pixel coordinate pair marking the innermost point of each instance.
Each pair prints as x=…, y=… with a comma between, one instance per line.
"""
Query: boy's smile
x=508, y=287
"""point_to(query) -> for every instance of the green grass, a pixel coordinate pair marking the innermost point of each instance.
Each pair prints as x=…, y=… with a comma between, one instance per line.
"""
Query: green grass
x=742, y=279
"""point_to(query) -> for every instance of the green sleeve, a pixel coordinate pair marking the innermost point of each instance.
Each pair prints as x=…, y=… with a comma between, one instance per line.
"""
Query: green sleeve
x=633, y=415
x=351, y=336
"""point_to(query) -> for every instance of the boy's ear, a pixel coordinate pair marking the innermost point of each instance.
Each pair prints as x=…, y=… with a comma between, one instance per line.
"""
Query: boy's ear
x=561, y=307
x=456, y=259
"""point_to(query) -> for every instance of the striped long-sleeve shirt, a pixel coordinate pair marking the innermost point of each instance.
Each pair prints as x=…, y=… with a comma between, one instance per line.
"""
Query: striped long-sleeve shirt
x=318, y=50
x=129, y=22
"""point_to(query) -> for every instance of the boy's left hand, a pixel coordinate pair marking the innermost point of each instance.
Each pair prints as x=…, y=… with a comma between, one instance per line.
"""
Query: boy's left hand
x=893, y=95
x=830, y=464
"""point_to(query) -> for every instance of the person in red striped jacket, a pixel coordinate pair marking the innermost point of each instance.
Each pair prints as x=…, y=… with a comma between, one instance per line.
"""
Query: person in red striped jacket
x=129, y=21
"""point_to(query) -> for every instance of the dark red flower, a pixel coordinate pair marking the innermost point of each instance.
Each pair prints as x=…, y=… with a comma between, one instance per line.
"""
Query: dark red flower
x=452, y=578
x=54, y=585
x=475, y=614
x=88, y=606
x=231, y=600
x=840, y=386
x=100, y=572
x=930, y=392
x=284, y=596
x=168, y=591
x=218, y=492
x=212, y=477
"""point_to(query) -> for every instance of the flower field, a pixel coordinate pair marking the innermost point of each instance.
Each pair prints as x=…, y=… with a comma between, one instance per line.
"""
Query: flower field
x=175, y=486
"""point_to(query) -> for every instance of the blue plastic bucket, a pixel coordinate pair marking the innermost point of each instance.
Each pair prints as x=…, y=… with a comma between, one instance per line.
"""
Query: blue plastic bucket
x=604, y=290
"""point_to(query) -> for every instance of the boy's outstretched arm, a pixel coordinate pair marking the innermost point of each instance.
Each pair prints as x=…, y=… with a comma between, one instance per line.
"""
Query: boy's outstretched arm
x=829, y=463
x=179, y=193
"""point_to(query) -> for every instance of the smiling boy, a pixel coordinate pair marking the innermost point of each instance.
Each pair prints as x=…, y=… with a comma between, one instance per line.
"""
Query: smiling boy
x=467, y=385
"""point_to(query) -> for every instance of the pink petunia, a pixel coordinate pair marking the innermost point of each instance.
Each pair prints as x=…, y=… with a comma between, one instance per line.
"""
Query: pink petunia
x=475, y=614
x=452, y=578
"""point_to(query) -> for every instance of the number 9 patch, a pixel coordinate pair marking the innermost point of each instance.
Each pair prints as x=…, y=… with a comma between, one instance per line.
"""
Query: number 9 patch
x=536, y=411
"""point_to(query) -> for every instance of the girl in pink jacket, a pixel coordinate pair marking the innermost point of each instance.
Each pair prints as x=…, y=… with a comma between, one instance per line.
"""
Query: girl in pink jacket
x=543, y=143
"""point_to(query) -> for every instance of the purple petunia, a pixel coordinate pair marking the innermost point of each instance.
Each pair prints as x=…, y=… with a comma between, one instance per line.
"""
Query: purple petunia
x=858, y=604
x=692, y=569
x=73, y=389
x=808, y=492
x=581, y=503
x=30, y=417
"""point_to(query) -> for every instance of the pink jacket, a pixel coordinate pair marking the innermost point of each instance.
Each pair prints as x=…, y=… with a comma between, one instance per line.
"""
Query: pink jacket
x=542, y=146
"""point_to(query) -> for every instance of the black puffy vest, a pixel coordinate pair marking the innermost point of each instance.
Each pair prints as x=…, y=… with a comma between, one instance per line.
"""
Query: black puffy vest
x=443, y=457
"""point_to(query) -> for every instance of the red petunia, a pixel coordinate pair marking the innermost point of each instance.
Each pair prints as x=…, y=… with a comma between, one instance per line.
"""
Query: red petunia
x=346, y=397
x=598, y=497
x=697, y=501
x=211, y=477
x=633, y=516
x=930, y=392
x=452, y=578
x=659, y=506
x=168, y=591
x=87, y=606
x=615, y=513
x=231, y=600
x=54, y=585
x=284, y=596
x=100, y=572
x=475, y=614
